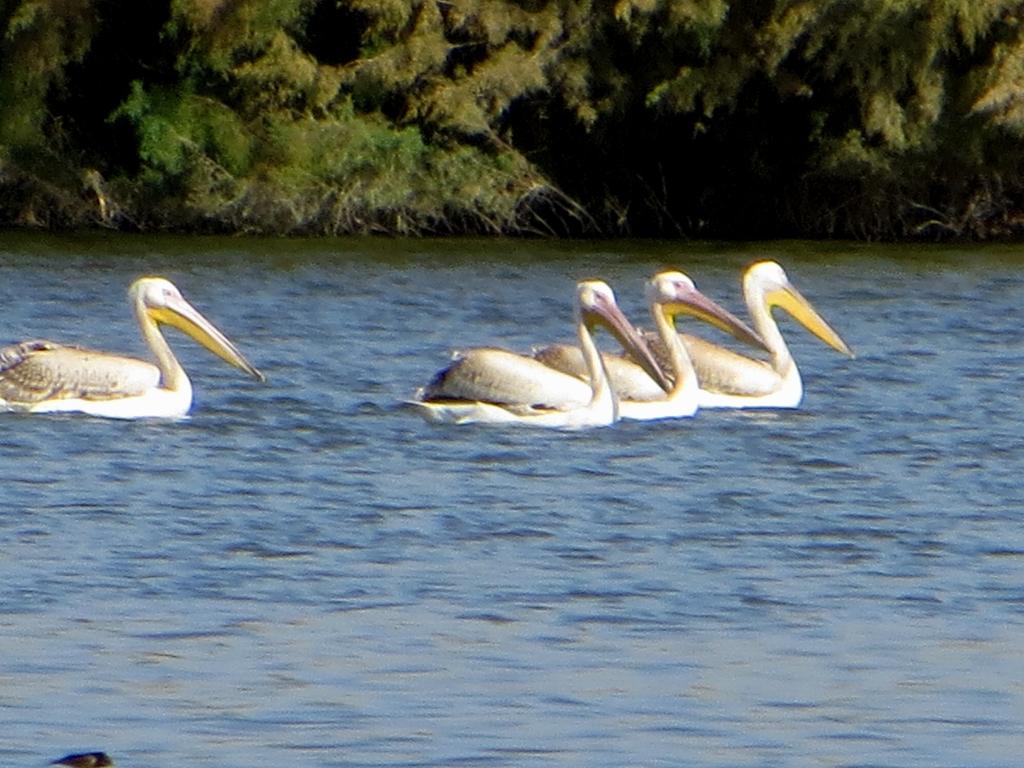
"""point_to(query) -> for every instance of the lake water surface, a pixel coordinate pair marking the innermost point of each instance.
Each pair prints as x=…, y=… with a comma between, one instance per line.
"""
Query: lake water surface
x=304, y=573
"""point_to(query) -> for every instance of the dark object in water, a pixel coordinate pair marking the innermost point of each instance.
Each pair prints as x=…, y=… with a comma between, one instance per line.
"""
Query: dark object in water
x=85, y=760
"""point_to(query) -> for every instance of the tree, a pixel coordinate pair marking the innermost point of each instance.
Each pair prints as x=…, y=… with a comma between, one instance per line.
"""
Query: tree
x=741, y=118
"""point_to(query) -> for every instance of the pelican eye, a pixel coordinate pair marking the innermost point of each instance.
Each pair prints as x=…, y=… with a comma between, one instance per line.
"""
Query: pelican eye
x=164, y=295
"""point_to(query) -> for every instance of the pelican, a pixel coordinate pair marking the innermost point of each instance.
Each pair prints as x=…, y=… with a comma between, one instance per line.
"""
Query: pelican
x=731, y=380
x=43, y=376
x=496, y=386
x=669, y=294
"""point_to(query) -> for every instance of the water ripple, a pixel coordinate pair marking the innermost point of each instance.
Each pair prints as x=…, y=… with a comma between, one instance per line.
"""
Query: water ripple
x=306, y=572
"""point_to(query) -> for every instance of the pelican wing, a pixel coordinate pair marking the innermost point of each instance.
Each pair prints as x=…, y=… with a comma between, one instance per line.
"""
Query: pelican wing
x=718, y=368
x=563, y=357
x=505, y=378
x=629, y=380
x=722, y=370
x=36, y=371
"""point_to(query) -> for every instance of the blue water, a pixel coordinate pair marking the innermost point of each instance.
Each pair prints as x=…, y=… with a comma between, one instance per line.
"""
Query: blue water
x=304, y=573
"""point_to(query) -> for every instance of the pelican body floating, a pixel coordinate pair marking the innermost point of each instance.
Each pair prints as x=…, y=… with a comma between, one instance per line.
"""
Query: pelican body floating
x=44, y=377
x=495, y=386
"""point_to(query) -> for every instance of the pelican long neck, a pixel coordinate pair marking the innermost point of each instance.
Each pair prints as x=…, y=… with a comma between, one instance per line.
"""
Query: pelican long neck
x=603, y=394
x=172, y=375
x=685, y=377
x=764, y=323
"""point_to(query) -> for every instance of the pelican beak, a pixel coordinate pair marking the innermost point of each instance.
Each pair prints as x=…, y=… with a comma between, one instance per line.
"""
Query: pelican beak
x=689, y=301
x=180, y=314
x=608, y=314
x=791, y=300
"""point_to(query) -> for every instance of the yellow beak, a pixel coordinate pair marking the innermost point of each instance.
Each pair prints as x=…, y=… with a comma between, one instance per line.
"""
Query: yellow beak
x=790, y=299
x=187, y=319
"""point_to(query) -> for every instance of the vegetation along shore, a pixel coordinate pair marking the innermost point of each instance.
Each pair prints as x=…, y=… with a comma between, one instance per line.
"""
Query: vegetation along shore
x=871, y=119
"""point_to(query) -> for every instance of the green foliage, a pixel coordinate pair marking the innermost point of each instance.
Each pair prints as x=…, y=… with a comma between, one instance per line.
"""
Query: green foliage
x=176, y=128
x=222, y=34
x=352, y=174
x=40, y=39
x=999, y=96
x=722, y=117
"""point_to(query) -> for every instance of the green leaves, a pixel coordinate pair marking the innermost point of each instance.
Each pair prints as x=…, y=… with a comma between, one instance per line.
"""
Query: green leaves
x=655, y=116
x=177, y=128
x=40, y=38
x=1000, y=95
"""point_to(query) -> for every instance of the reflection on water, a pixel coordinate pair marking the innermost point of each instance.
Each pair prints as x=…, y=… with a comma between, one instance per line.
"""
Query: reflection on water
x=305, y=573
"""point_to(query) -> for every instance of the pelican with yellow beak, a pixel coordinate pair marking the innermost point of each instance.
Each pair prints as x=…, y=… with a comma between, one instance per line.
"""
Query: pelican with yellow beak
x=731, y=380
x=669, y=294
x=496, y=386
x=44, y=376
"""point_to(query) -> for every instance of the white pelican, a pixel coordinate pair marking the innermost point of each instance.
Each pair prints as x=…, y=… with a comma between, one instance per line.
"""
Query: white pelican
x=43, y=376
x=496, y=386
x=731, y=380
x=669, y=294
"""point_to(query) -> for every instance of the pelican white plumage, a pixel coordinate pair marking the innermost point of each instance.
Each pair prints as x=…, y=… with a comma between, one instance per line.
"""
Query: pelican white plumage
x=497, y=386
x=43, y=376
x=669, y=294
x=730, y=380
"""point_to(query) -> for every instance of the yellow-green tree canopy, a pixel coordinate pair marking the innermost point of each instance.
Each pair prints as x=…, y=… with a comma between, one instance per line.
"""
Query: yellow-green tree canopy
x=751, y=118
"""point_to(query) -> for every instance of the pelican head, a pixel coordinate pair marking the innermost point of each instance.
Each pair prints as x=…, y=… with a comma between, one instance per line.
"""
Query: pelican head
x=596, y=304
x=768, y=280
x=676, y=294
x=158, y=301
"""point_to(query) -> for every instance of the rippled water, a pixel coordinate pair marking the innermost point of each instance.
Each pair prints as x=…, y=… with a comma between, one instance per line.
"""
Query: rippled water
x=304, y=573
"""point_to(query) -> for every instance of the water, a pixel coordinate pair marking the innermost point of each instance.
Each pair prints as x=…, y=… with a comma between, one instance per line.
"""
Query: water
x=304, y=573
